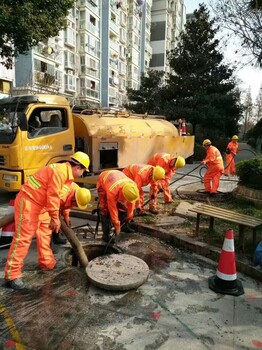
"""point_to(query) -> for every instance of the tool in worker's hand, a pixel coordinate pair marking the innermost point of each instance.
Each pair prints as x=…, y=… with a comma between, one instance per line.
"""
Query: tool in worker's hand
x=96, y=211
x=109, y=242
x=113, y=235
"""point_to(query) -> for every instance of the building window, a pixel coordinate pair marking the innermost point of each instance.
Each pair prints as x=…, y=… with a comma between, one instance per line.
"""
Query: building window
x=5, y=86
x=93, y=20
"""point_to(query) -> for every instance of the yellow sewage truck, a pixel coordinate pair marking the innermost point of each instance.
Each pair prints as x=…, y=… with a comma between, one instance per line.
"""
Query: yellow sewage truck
x=36, y=130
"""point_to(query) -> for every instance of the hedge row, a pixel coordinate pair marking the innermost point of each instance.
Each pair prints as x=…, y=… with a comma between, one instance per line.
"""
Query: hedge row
x=250, y=173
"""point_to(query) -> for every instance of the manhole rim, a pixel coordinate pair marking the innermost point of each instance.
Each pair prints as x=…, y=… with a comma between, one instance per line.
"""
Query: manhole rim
x=68, y=250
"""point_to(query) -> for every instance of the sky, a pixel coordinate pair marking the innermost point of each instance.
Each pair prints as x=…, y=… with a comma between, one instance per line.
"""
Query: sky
x=250, y=77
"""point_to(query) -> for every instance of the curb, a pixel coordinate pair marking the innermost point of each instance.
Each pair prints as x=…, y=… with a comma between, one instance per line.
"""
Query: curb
x=200, y=248
x=185, y=242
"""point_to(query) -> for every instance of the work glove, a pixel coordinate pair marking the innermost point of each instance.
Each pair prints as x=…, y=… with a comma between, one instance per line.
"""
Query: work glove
x=67, y=218
x=55, y=225
x=117, y=229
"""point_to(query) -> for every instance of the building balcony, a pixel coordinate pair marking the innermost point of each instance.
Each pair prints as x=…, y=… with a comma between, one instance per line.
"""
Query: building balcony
x=113, y=100
x=88, y=92
x=113, y=82
x=44, y=78
x=89, y=71
x=70, y=87
x=114, y=27
x=114, y=45
x=70, y=39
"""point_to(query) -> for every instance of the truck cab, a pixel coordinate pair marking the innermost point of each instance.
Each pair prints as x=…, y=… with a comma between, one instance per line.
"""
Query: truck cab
x=35, y=130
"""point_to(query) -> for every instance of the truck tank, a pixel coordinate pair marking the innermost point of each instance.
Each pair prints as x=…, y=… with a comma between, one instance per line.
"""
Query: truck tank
x=114, y=140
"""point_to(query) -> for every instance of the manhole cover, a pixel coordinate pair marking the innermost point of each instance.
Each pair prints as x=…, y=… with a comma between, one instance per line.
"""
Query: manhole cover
x=117, y=272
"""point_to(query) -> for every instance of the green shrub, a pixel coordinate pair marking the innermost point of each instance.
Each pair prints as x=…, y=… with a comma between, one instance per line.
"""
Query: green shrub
x=250, y=173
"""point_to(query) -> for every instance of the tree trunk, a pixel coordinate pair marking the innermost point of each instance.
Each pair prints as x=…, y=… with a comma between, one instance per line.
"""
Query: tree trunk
x=76, y=245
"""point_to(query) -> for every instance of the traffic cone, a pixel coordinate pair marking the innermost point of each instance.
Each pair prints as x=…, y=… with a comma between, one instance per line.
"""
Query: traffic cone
x=184, y=128
x=8, y=230
x=225, y=281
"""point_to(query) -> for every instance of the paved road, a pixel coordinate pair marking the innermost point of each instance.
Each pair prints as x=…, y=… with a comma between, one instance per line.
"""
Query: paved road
x=246, y=153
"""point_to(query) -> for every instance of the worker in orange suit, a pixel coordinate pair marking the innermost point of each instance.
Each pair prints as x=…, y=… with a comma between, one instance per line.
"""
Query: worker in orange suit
x=70, y=196
x=215, y=169
x=143, y=175
x=41, y=192
x=231, y=151
x=117, y=195
x=170, y=163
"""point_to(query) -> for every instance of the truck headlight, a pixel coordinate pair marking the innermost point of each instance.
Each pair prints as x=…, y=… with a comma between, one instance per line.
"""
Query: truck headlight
x=11, y=178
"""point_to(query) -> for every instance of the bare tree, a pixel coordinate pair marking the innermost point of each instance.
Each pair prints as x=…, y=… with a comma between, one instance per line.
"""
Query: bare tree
x=243, y=19
x=248, y=112
x=258, y=106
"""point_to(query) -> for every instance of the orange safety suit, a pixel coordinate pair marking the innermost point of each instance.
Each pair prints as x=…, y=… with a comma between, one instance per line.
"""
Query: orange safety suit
x=109, y=188
x=230, y=158
x=141, y=174
x=39, y=195
x=163, y=160
x=215, y=169
x=46, y=259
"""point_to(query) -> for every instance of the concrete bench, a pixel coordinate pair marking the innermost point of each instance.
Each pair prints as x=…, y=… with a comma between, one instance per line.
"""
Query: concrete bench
x=230, y=216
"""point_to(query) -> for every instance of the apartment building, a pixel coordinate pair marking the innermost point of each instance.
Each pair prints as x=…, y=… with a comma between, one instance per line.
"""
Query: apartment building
x=168, y=20
x=52, y=66
x=103, y=51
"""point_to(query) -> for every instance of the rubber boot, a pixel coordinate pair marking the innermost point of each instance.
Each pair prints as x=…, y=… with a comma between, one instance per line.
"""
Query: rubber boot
x=106, y=228
x=17, y=284
x=58, y=239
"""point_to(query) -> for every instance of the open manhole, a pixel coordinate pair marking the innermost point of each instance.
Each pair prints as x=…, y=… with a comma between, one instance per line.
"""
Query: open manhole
x=92, y=250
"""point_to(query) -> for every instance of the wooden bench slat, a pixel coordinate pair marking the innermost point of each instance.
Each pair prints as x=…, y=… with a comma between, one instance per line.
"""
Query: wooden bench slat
x=226, y=211
x=227, y=215
x=235, y=218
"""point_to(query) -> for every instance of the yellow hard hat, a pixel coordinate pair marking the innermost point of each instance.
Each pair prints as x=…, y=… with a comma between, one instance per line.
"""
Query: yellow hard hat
x=81, y=158
x=206, y=142
x=234, y=137
x=130, y=192
x=83, y=197
x=158, y=173
x=180, y=162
